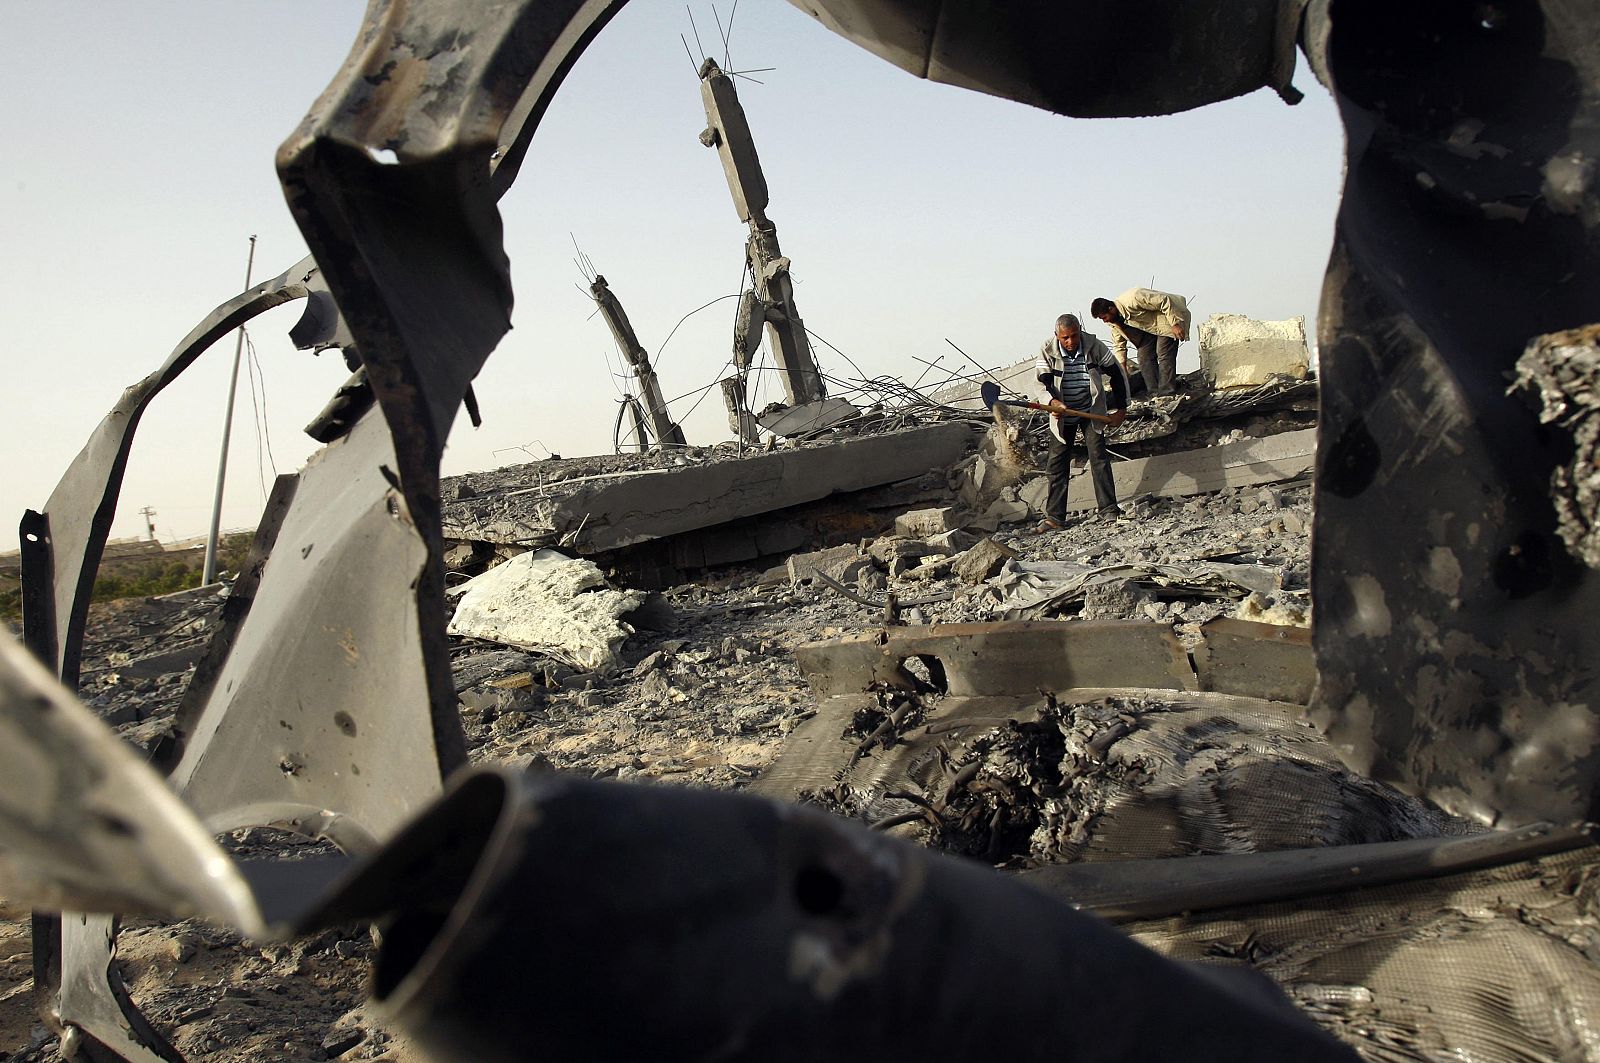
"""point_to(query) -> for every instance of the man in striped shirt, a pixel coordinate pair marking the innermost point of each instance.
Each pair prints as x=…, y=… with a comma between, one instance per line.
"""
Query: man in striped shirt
x=1079, y=373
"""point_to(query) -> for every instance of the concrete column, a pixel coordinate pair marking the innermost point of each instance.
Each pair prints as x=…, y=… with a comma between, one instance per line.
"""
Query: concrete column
x=728, y=131
x=666, y=432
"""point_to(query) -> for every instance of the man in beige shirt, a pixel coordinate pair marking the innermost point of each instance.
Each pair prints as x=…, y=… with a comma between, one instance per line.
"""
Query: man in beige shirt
x=1155, y=323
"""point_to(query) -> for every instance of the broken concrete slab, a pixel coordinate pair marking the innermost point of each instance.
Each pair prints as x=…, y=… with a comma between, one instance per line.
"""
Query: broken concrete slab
x=1003, y=511
x=552, y=604
x=1035, y=494
x=922, y=523
x=600, y=513
x=792, y=421
x=1004, y=658
x=952, y=542
x=842, y=563
x=1272, y=459
x=982, y=561
x=1238, y=351
x=1257, y=660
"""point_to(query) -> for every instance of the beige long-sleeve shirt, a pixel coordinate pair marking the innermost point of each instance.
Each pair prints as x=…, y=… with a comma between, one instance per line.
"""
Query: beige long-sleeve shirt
x=1153, y=312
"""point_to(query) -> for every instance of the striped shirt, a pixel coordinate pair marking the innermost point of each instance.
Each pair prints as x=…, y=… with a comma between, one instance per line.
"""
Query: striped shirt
x=1068, y=379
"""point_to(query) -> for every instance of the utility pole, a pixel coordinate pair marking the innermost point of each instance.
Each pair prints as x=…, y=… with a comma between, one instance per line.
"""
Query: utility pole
x=771, y=302
x=209, y=571
x=661, y=424
x=149, y=521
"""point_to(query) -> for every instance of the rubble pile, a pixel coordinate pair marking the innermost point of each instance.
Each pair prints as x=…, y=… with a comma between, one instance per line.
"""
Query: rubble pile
x=699, y=685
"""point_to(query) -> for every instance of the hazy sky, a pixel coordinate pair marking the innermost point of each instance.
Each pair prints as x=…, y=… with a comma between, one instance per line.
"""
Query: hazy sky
x=139, y=141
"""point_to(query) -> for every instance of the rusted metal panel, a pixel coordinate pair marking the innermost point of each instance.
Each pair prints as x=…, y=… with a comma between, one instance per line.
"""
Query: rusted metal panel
x=1019, y=658
x=1257, y=660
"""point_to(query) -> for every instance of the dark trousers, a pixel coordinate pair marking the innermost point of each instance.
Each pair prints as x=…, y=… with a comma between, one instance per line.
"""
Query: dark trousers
x=1158, y=359
x=1059, y=468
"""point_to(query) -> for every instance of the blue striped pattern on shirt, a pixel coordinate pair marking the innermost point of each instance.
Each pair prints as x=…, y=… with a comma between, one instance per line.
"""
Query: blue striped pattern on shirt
x=1072, y=382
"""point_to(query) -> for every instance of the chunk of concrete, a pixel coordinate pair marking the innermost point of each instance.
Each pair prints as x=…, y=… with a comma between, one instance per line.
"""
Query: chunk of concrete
x=921, y=523
x=982, y=561
x=1006, y=512
x=552, y=604
x=808, y=417
x=834, y=562
x=1238, y=351
x=953, y=542
x=1035, y=494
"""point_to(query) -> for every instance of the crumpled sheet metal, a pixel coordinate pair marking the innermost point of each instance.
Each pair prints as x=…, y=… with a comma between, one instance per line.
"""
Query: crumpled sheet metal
x=1484, y=965
x=1455, y=629
x=1126, y=59
x=84, y=823
x=77, y=517
x=1563, y=372
x=724, y=926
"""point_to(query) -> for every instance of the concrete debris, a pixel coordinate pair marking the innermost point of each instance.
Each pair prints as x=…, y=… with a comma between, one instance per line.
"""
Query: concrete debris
x=843, y=563
x=1563, y=371
x=1237, y=351
x=1286, y=610
x=600, y=504
x=1027, y=590
x=552, y=604
x=982, y=561
x=790, y=421
x=923, y=523
x=1003, y=511
x=953, y=541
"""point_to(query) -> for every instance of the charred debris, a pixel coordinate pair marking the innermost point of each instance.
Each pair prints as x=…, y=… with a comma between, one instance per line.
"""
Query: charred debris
x=1369, y=838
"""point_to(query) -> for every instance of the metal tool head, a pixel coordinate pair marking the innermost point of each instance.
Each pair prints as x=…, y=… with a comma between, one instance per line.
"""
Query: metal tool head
x=990, y=392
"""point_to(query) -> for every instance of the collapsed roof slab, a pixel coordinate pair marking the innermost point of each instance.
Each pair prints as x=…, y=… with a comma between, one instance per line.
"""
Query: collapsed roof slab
x=601, y=513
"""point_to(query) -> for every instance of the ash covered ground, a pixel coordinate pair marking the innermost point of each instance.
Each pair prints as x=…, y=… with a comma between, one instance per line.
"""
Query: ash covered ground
x=708, y=691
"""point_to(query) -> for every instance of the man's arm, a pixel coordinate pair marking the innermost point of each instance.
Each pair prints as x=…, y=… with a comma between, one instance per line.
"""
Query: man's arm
x=1119, y=346
x=1112, y=368
x=1046, y=374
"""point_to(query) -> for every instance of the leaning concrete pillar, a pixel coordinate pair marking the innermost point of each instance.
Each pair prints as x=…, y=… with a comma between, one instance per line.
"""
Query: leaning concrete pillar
x=728, y=131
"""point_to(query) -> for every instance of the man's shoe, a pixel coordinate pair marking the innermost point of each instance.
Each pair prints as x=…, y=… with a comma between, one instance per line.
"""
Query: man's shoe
x=1049, y=524
x=1111, y=512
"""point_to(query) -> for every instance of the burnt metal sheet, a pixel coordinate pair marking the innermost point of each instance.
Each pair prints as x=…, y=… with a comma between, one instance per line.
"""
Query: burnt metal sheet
x=725, y=926
x=1455, y=629
x=99, y=1019
x=85, y=823
x=1087, y=58
x=1017, y=658
x=318, y=718
x=1150, y=889
x=1256, y=660
x=80, y=509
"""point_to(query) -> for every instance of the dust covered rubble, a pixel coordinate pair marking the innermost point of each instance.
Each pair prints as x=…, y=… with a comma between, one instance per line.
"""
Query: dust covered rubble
x=704, y=691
